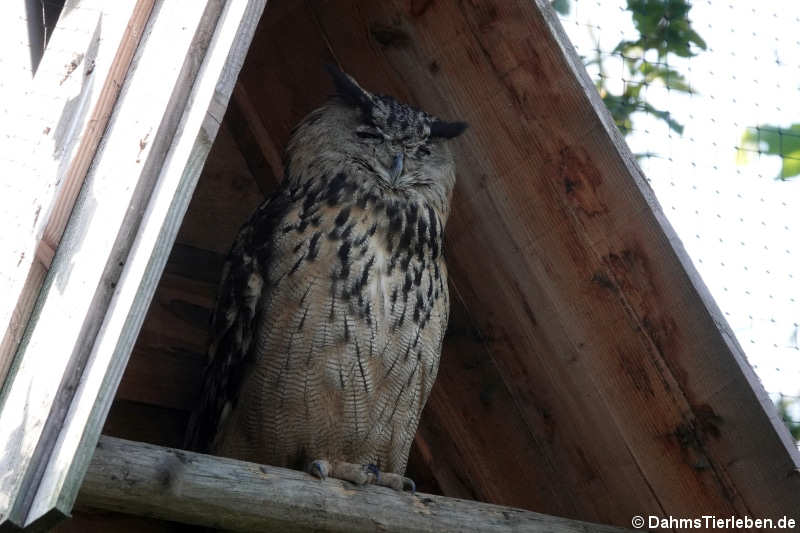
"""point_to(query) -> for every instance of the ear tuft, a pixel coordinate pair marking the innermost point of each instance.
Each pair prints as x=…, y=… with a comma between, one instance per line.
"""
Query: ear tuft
x=347, y=88
x=447, y=130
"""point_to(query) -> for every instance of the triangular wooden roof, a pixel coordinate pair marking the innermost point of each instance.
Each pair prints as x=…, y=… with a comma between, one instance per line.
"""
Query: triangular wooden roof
x=588, y=372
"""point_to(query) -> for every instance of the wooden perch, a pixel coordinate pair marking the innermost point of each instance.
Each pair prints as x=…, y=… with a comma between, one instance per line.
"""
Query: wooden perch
x=182, y=486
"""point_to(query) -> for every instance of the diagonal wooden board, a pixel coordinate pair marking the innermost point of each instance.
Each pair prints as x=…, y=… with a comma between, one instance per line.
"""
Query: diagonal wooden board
x=52, y=129
x=114, y=248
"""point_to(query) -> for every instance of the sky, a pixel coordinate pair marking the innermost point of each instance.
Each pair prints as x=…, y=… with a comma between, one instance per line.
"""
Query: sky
x=740, y=225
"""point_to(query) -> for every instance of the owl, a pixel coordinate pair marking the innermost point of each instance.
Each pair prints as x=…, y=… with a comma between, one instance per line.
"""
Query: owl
x=328, y=327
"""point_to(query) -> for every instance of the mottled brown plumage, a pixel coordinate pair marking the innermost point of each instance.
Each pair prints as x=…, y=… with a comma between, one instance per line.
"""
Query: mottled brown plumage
x=333, y=305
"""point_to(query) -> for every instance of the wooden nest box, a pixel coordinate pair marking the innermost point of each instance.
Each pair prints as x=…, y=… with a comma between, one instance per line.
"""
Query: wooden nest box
x=587, y=373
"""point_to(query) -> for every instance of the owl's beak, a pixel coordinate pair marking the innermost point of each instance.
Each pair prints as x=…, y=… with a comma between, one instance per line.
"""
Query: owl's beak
x=397, y=167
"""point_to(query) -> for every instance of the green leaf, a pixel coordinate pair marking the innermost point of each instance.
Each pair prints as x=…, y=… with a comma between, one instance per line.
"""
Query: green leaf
x=784, y=406
x=663, y=26
x=666, y=116
x=791, y=166
x=774, y=140
x=696, y=39
x=672, y=79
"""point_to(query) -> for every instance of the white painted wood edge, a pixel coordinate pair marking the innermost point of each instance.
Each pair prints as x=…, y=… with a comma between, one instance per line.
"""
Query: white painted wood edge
x=43, y=133
x=148, y=255
x=80, y=282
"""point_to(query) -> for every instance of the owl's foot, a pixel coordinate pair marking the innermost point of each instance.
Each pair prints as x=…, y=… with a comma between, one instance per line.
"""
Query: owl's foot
x=319, y=468
x=396, y=482
x=358, y=474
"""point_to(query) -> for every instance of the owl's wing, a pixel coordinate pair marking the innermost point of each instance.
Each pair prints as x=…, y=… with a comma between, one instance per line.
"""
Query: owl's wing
x=233, y=321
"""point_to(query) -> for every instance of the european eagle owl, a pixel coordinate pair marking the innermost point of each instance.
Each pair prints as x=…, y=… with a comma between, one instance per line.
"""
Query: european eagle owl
x=329, y=321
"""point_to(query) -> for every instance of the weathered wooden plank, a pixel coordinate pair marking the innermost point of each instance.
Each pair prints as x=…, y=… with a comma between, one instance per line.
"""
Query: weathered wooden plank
x=58, y=122
x=180, y=143
x=234, y=495
x=63, y=407
x=142, y=423
x=698, y=448
x=17, y=68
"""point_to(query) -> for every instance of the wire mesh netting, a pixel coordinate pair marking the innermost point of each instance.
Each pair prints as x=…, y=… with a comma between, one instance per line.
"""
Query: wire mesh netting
x=708, y=97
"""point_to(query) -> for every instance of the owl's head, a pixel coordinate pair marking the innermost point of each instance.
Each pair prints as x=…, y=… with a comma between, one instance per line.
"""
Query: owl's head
x=402, y=150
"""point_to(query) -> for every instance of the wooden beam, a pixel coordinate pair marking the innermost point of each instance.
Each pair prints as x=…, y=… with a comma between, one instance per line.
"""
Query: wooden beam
x=117, y=242
x=203, y=490
x=60, y=121
x=69, y=315
x=258, y=148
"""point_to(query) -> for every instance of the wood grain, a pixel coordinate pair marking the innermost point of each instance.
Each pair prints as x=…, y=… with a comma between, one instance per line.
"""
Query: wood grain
x=106, y=271
x=148, y=480
x=88, y=38
x=95, y=44
x=208, y=71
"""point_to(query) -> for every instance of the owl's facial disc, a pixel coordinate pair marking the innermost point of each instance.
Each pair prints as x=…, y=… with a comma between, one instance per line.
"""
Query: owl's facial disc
x=402, y=147
x=391, y=155
x=401, y=140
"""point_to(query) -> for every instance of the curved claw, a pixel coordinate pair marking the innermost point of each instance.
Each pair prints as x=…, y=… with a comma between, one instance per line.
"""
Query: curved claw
x=374, y=470
x=319, y=469
x=409, y=485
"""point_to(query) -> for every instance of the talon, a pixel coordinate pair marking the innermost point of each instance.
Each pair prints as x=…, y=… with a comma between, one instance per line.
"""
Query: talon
x=374, y=470
x=319, y=469
x=409, y=485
